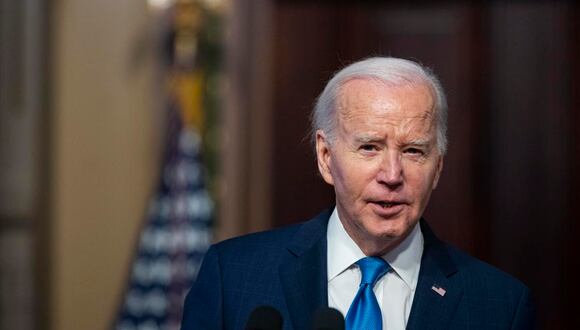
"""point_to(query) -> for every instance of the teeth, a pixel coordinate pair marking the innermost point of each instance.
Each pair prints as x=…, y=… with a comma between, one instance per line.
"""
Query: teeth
x=384, y=204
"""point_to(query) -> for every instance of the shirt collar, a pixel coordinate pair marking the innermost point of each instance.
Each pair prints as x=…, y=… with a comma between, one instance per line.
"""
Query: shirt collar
x=405, y=258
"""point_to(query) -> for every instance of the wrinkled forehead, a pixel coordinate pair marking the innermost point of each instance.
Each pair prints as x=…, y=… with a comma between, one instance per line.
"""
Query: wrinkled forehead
x=408, y=80
x=414, y=99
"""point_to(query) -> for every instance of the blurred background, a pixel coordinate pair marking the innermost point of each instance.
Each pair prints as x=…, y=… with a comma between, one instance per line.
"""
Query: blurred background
x=134, y=133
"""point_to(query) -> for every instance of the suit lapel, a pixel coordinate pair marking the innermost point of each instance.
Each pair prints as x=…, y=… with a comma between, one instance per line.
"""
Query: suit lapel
x=303, y=275
x=438, y=290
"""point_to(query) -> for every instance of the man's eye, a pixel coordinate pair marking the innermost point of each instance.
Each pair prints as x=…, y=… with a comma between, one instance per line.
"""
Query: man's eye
x=368, y=147
x=414, y=151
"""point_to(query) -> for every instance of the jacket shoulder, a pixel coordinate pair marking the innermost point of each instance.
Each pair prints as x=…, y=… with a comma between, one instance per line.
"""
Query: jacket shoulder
x=272, y=243
x=255, y=244
x=480, y=274
x=492, y=296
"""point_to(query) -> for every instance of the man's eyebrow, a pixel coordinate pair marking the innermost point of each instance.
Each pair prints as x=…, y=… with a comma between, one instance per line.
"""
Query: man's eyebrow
x=365, y=138
x=419, y=142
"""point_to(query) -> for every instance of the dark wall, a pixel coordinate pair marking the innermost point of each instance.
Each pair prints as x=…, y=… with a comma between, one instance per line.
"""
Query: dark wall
x=509, y=191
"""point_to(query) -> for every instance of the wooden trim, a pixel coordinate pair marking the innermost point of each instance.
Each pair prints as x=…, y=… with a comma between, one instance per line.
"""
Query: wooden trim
x=245, y=182
x=42, y=218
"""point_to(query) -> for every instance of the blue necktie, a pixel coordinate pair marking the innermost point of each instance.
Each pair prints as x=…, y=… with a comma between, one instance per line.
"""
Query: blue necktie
x=364, y=312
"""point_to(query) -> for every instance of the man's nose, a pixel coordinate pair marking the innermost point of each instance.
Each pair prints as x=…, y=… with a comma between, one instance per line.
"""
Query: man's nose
x=391, y=170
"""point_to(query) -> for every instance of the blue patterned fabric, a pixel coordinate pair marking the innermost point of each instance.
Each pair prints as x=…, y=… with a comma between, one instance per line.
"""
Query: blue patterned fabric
x=287, y=269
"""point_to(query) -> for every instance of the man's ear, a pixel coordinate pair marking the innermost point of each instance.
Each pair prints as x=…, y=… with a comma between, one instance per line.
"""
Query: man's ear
x=323, y=157
x=438, y=171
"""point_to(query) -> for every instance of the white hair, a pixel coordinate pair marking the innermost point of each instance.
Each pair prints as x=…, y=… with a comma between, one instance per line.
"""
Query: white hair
x=390, y=70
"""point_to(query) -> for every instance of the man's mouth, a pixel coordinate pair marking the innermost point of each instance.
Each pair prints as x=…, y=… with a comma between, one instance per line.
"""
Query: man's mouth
x=388, y=204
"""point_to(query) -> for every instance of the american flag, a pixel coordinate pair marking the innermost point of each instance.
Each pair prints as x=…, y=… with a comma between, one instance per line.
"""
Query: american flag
x=439, y=290
x=173, y=239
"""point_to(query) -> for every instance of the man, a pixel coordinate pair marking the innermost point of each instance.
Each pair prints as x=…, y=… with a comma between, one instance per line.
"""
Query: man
x=379, y=128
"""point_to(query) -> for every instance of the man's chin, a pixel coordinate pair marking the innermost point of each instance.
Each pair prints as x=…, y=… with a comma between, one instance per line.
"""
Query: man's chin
x=392, y=230
x=381, y=240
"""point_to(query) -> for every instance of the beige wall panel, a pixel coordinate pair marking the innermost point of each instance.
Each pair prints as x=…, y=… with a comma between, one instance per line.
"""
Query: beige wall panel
x=105, y=136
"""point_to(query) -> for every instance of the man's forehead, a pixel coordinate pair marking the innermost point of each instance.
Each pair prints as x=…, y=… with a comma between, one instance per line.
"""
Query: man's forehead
x=410, y=101
x=368, y=82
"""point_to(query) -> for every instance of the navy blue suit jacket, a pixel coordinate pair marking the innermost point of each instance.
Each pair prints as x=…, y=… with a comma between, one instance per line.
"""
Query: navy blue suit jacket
x=286, y=268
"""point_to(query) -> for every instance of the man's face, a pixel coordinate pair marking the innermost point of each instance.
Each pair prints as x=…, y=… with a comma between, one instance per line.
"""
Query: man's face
x=384, y=161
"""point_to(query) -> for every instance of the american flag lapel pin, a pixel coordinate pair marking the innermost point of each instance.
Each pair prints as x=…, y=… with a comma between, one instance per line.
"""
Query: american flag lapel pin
x=438, y=289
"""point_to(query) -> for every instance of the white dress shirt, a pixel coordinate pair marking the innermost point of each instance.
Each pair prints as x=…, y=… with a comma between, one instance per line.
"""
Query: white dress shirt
x=394, y=291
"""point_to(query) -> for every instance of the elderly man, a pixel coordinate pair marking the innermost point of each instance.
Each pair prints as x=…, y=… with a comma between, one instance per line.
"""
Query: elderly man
x=380, y=133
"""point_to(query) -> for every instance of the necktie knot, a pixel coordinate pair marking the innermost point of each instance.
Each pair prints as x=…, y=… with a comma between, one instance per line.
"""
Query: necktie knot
x=372, y=268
